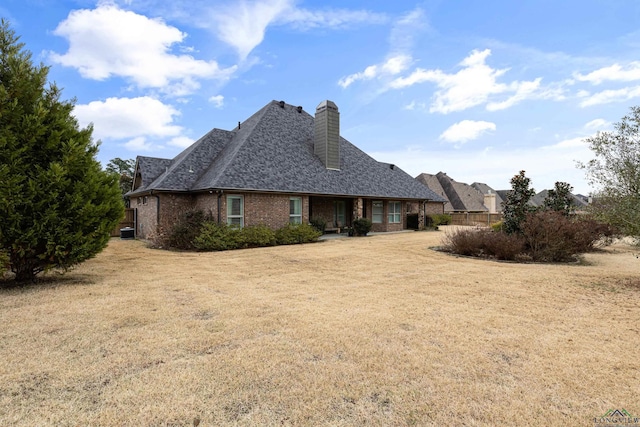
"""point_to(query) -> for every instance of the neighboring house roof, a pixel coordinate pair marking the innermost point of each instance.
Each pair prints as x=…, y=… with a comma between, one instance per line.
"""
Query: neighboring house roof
x=460, y=197
x=486, y=189
x=431, y=181
x=272, y=151
x=538, y=200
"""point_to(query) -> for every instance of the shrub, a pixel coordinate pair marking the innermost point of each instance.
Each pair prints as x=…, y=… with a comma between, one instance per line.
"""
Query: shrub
x=319, y=224
x=258, y=235
x=218, y=237
x=553, y=237
x=4, y=261
x=546, y=236
x=484, y=243
x=497, y=226
x=184, y=232
x=439, y=219
x=502, y=246
x=464, y=241
x=362, y=226
x=297, y=233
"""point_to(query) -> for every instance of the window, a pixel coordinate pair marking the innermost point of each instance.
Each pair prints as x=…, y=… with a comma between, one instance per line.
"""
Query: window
x=235, y=210
x=295, y=210
x=395, y=212
x=378, y=212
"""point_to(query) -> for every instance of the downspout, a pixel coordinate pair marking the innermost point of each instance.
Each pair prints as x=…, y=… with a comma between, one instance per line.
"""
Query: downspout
x=219, y=192
x=157, y=209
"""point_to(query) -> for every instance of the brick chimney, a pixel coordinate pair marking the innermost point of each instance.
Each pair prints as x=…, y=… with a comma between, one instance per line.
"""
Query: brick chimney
x=326, y=135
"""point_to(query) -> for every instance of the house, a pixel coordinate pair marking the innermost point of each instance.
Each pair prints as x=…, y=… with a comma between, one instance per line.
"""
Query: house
x=493, y=200
x=460, y=197
x=280, y=166
x=578, y=201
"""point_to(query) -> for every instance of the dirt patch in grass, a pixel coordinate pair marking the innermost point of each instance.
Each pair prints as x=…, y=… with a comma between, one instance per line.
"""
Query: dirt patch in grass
x=378, y=330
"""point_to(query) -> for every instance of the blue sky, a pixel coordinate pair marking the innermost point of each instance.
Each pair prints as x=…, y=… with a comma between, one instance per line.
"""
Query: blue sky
x=479, y=90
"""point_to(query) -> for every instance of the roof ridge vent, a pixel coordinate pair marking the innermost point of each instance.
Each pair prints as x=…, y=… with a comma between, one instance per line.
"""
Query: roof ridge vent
x=281, y=104
x=299, y=108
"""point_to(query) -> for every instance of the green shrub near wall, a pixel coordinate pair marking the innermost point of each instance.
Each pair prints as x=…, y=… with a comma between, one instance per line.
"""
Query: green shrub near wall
x=218, y=237
x=258, y=235
x=298, y=233
x=440, y=219
x=4, y=262
x=362, y=226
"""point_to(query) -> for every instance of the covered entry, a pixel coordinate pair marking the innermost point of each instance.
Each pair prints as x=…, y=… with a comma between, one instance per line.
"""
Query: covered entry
x=336, y=212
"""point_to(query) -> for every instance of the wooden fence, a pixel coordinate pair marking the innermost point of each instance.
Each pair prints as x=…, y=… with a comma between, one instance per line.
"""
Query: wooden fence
x=481, y=218
x=129, y=220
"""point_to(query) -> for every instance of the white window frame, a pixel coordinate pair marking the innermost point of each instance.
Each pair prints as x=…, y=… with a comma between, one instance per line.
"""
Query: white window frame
x=295, y=217
x=230, y=216
x=395, y=212
x=377, y=217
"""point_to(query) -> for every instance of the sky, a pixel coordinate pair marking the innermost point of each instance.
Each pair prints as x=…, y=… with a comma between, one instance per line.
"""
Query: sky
x=476, y=89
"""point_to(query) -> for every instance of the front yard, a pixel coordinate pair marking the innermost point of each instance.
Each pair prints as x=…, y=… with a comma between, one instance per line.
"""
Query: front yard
x=378, y=330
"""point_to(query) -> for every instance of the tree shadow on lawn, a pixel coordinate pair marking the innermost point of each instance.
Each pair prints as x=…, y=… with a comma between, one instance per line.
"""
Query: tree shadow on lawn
x=49, y=280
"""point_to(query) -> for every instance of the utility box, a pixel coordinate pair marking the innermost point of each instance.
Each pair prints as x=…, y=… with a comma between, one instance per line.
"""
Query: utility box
x=127, y=233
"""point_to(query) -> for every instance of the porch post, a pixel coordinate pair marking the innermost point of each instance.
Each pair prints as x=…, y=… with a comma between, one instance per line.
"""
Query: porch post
x=357, y=208
x=422, y=207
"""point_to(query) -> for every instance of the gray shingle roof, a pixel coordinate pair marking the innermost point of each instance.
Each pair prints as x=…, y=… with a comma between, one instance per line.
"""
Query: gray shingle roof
x=272, y=151
x=485, y=189
x=538, y=200
x=461, y=197
x=148, y=169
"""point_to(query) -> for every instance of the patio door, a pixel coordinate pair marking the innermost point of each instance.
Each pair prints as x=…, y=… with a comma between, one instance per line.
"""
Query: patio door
x=339, y=215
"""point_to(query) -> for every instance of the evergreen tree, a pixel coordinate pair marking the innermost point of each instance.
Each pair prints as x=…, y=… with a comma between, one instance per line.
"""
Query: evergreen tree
x=124, y=170
x=560, y=199
x=516, y=206
x=57, y=206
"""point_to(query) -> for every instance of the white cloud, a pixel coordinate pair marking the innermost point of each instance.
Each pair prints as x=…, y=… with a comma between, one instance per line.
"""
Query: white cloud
x=614, y=72
x=612, y=95
x=567, y=144
x=392, y=66
x=467, y=130
x=597, y=124
x=413, y=105
x=181, y=141
x=405, y=30
x=108, y=41
x=523, y=90
x=120, y=118
x=138, y=144
x=332, y=18
x=243, y=23
x=473, y=85
x=217, y=101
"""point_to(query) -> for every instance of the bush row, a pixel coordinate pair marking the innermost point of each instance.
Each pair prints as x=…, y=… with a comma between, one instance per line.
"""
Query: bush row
x=4, y=262
x=434, y=220
x=196, y=231
x=546, y=236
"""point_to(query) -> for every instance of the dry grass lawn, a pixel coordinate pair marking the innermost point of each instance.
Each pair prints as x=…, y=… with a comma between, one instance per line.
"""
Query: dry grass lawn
x=378, y=331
